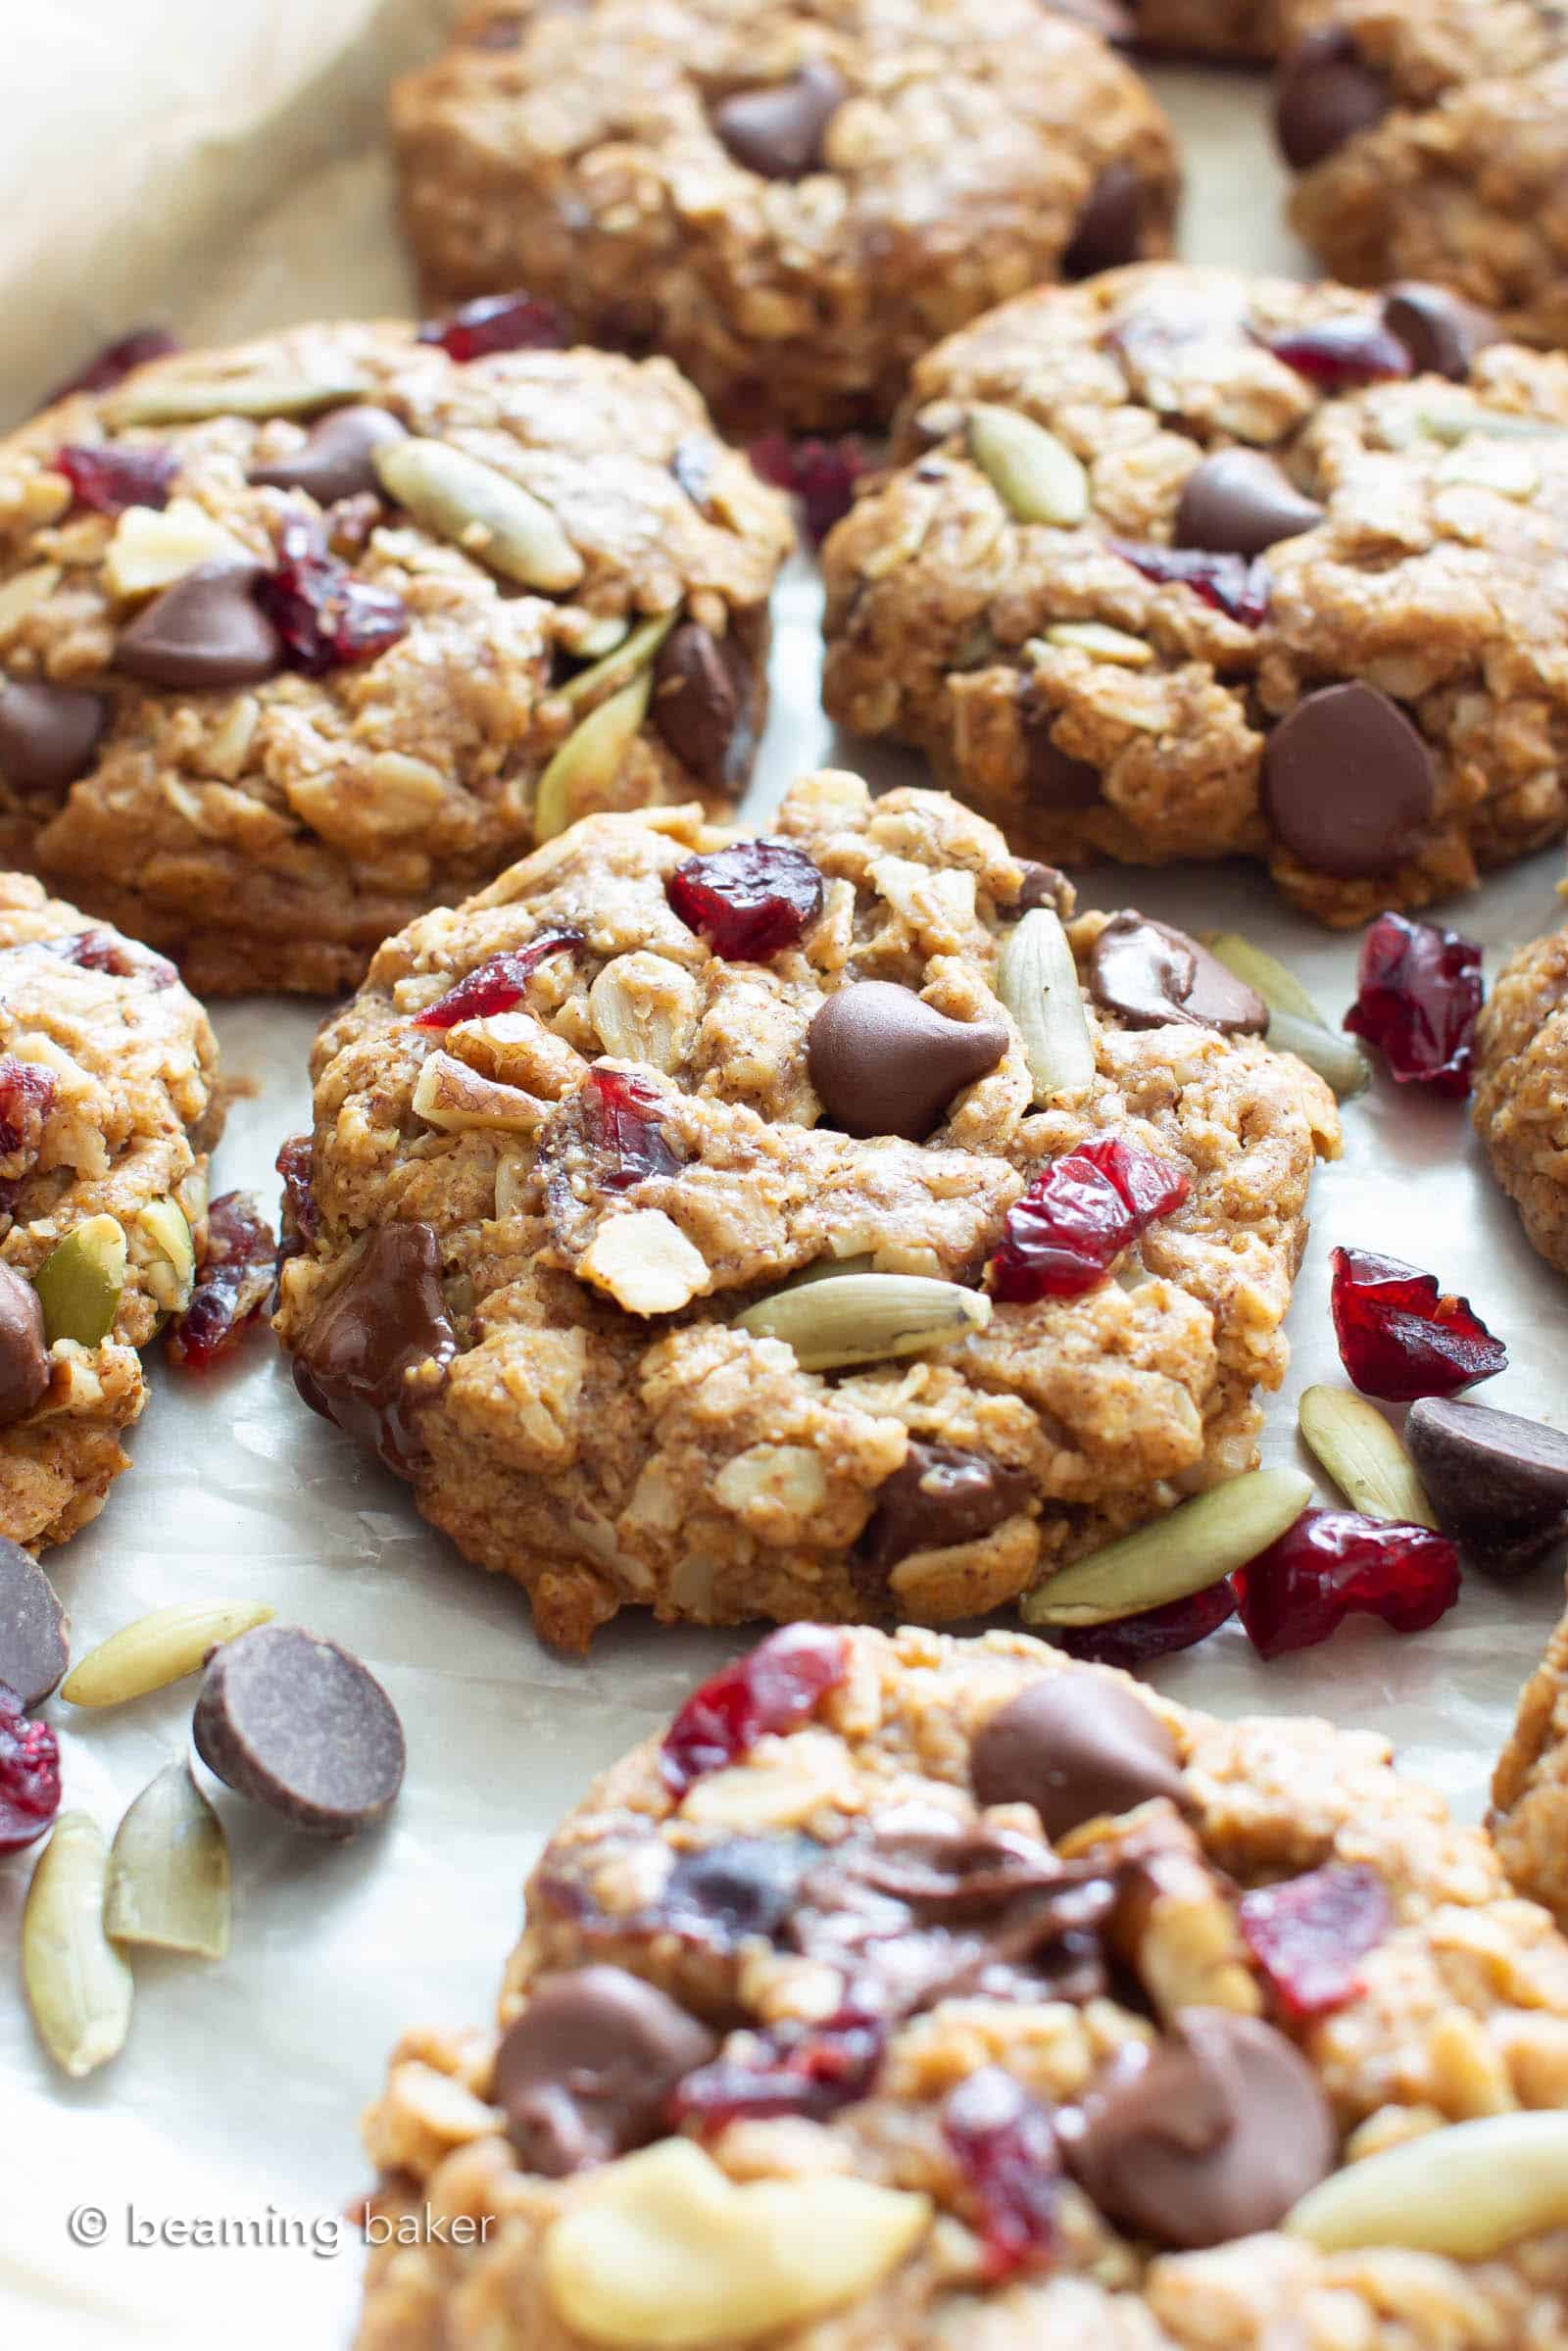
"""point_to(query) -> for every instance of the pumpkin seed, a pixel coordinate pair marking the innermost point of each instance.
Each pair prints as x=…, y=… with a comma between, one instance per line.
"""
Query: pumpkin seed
x=1363, y=1456
x=624, y=663
x=1296, y=1025
x=866, y=1317
x=487, y=514
x=80, y=1281
x=1457, y=423
x=1036, y=476
x=1102, y=642
x=158, y=1649
x=1199, y=1541
x=1466, y=2190
x=79, y=1987
x=175, y=399
x=589, y=636
x=169, y=1870
x=585, y=767
x=1037, y=980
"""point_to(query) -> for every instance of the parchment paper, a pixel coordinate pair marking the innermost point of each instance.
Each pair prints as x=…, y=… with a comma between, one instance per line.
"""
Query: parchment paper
x=214, y=162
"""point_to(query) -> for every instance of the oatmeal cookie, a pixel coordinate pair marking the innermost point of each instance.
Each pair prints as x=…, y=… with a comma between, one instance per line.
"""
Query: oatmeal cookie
x=1183, y=563
x=919, y=1992
x=108, y=1109
x=584, y=1147
x=1245, y=30
x=1529, y=1821
x=1521, y=1089
x=1432, y=140
x=793, y=202
x=299, y=639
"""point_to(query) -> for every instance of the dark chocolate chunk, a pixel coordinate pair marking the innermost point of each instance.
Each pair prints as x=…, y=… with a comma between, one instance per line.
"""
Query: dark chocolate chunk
x=1044, y=886
x=778, y=131
x=885, y=1062
x=1349, y=784
x=1110, y=227
x=336, y=459
x=1499, y=1482
x=1074, y=1746
x=388, y=1317
x=1151, y=974
x=584, y=2073
x=1326, y=93
x=940, y=1495
x=204, y=631
x=34, y=1630
x=1052, y=777
x=48, y=734
x=702, y=704
x=23, y=1350
x=1441, y=332
x=302, y=1727
x=1240, y=502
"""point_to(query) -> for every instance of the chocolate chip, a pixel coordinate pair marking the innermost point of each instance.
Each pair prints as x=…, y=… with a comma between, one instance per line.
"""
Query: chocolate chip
x=584, y=2073
x=389, y=1316
x=1442, y=333
x=48, y=734
x=1044, y=886
x=1349, y=784
x=724, y=1894
x=206, y=630
x=1053, y=778
x=1110, y=227
x=302, y=1727
x=703, y=705
x=940, y=1495
x=885, y=1062
x=1213, y=2133
x=778, y=131
x=34, y=1630
x=336, y=459
x=1326, y=93
x=1499, y=1482
x=24, y=1349
x=1150, y=974
x=1074, y=1746
x=1239, y=501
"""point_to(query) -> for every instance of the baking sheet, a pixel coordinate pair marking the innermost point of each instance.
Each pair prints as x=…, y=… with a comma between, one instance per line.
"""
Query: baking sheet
x=232, y=182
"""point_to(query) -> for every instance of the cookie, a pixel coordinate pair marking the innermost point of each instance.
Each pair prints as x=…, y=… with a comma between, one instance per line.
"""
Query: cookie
x=299, y=639
x=792, y=203
x=577, y=1144
x=108, y=1110
x=1431, y=138
x=1529, y=1818
x=1246, y=32
x=1183, y=563
x=962, y=1994
x=1521, y=1089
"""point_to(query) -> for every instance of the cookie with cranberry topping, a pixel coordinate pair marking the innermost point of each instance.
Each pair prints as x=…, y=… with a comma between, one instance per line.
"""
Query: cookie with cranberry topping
x=1521, y=1084
x=792, y=203
x=301, y=638
x=1529, y=1817
x=1183, y=563
x=968, y=1995
x=109, y=1107
x=804, y=1225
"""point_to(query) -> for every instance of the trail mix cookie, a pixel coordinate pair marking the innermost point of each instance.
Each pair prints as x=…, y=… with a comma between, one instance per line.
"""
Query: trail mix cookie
x=108, y=1109
x=1529, y=1821
x=585, y=1148
x=1241, y=30
x=1432, y=139
x=924, y=1993
x=792, y=202
x=1187, y=565
x=301, y=638
x=1521, y=1089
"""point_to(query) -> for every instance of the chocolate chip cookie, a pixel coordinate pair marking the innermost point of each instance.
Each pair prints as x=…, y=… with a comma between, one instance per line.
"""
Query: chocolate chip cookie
x=793, y=203
x=108, y=1109
x=1186, y=564
x=1521, y=1089
x=1432, y=140
x=918, y=1993
x=812, y=1225
x=1247, y=32
x=1528, y=1820
x=299, y=639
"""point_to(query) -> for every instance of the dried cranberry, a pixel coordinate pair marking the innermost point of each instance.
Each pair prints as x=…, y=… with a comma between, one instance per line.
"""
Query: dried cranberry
x=1310, y=1935
x=519, y=322
x=1078, y=1215
x=748, y=901
x=821, y=474
x=109, y=479
x=1228, y=582
x=776, y=1687
x=791, y=2069
x=30, y=1775
x=1419, y=992
x=1134, y=1641
x=26, y=1090
x=1341, y=353
x=1004, y=2144
x=232, y=1284
x=302, y=1219
x=496, y=985
x=115, y=361
x=620, y=1117
x=1399, y=1337
x=121, y=958
x=327, y=615
x=734, y=1891
x=1332, y=1564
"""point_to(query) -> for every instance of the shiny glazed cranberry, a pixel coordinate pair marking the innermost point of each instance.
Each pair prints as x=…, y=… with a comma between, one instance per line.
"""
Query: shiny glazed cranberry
x=1155, y=1633
x=1418, y=996
x=327, y=616
x=115, y=361
x=1004, y=2145
x=101, y=950
x=109, y=479
x=495, y=986
x=821, y=474
x=1332, y=1564
x=30, y=1775
x=1399, y=1337
x=1341, y=353
x=791, y=2069
x=232, y=1284
x=1311, y=1934
x=1078, y=1215
x=1228, y=582
x=620, y=1117
x=518, y=322
x=750, y=900
x=776, y=1687
x=26, y=1090
x=302, y=1219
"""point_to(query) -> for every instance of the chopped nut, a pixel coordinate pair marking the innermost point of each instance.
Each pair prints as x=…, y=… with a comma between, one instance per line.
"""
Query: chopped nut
x=1172, y=1923
x=151, y=548
x=646, y=1262
x=171, y=1274
x=19, y=596
x=645, y=1008
x=451, y=1095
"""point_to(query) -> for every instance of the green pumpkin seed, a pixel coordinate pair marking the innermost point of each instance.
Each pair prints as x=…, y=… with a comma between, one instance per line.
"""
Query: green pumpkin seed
x=1036, y=476
x=624, y=663
x=1296, y=1025
x=79, y=1987
x=1199, y=1541
x=1037, y=980
x=485, y=513
x=80, y=1281
x=168, y=1879
x=584, y=769
x=158, y=1649
x=1363, y=1457
x=175, y=399
x=866, y=1317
